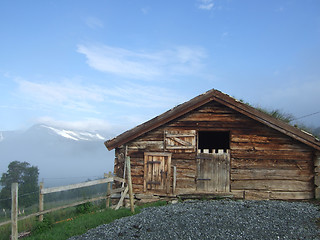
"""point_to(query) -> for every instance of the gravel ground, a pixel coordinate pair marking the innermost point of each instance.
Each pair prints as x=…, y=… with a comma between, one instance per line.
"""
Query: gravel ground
x=224, y=219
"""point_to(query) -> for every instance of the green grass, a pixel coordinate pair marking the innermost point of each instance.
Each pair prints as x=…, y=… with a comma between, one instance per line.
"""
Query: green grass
x=83, y=223
x=79, y=224
x=23, y=225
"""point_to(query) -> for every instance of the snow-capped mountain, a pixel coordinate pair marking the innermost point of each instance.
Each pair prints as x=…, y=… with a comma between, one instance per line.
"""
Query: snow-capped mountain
x=87, y=136
x=62, y=155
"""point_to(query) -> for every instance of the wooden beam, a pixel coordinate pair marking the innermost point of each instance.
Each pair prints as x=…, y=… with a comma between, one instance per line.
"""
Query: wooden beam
x=14, y=211
x=168, y=177
x=179, y=147
x=41, y=202
x=180, y=135
x=182, y=142
x=122, y=198
x=130, y=184
x=174, y=179
x=80, y=185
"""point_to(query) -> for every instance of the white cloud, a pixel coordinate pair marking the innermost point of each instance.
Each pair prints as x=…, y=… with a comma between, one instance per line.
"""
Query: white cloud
x=119, y=61
x=90, y=124
x=65, y=94
x=205, y=4
x=93, y=98
x=142, y=96
x=142, y=64
x=94, y=22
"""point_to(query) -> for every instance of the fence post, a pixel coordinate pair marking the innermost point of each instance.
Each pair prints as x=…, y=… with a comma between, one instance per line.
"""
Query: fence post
x=41, y=208
x=14, y=211
x=108, y=190
x=130, y=184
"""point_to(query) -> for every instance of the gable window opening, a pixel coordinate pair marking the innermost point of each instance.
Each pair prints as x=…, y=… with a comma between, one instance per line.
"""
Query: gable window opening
x=213, y=142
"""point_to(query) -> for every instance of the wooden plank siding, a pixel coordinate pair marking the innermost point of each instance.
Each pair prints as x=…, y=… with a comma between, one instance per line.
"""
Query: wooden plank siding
x=264, y=163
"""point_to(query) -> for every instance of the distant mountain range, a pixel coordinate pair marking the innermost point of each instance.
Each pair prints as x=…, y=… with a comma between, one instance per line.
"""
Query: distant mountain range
x=63, y=156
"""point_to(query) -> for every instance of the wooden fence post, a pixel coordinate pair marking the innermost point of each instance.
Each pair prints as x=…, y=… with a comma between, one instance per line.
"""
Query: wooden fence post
x=41, y=207
x=14, y=211
x=108, y=190
x=130, y=184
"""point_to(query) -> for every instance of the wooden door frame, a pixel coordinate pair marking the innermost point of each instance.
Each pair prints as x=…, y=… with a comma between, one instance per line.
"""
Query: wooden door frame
x=168, y=163
x=228, y=151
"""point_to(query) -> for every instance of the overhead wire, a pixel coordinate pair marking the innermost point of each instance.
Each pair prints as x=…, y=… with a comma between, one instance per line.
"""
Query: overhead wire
x=308, y=115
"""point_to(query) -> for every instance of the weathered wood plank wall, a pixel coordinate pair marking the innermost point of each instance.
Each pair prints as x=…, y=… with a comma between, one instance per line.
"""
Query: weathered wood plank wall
x=264, y=162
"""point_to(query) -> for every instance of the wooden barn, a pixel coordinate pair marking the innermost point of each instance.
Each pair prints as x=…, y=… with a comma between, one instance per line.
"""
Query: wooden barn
x=215, y=144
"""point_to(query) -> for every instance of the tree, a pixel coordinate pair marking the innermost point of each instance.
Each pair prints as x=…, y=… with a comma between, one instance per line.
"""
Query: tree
x=27, y=178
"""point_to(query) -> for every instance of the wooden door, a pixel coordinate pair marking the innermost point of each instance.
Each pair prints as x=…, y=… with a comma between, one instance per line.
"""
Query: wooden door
x=157, y=171
x=213, y=172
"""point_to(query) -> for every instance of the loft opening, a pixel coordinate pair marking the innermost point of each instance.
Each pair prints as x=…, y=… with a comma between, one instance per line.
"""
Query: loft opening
x=212, y=142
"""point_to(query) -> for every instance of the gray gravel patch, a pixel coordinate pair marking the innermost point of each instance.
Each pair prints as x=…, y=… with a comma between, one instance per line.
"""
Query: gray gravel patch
x=224, y=219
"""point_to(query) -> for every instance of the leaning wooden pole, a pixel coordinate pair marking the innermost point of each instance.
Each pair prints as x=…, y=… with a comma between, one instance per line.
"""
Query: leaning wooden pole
x=130, y=183
x=14, y=211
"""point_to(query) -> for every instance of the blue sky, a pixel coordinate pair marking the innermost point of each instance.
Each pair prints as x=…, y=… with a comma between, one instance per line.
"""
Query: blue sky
x=114, y=64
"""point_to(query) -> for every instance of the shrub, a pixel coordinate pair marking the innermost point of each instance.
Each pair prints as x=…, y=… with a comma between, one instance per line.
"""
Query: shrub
x=84, y=208
x=43, y=226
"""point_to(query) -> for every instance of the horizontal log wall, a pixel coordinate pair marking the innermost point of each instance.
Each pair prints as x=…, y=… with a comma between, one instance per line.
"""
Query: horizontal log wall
x=264, y=163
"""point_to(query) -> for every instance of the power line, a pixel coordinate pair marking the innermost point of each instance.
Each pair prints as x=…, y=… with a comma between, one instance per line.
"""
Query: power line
x=308, y=115
x=22, y=195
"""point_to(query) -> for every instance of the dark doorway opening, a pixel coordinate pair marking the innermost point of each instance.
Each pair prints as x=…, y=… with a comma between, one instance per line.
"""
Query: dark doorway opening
x=210, y=141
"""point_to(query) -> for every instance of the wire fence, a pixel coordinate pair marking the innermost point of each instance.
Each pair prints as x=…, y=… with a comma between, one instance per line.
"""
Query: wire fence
x=52, y=200
x=52, y=181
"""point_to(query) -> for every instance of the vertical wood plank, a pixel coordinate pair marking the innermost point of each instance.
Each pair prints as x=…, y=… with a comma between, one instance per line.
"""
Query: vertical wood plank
x=209, y=171
x=168, y=166
x=216, y=164
x=174, y=179
x=220, y=173
x=228, y=171
x=41, y=202
x=317, y=175
x=145, y=174
x=130, y=184
x=14, y=211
